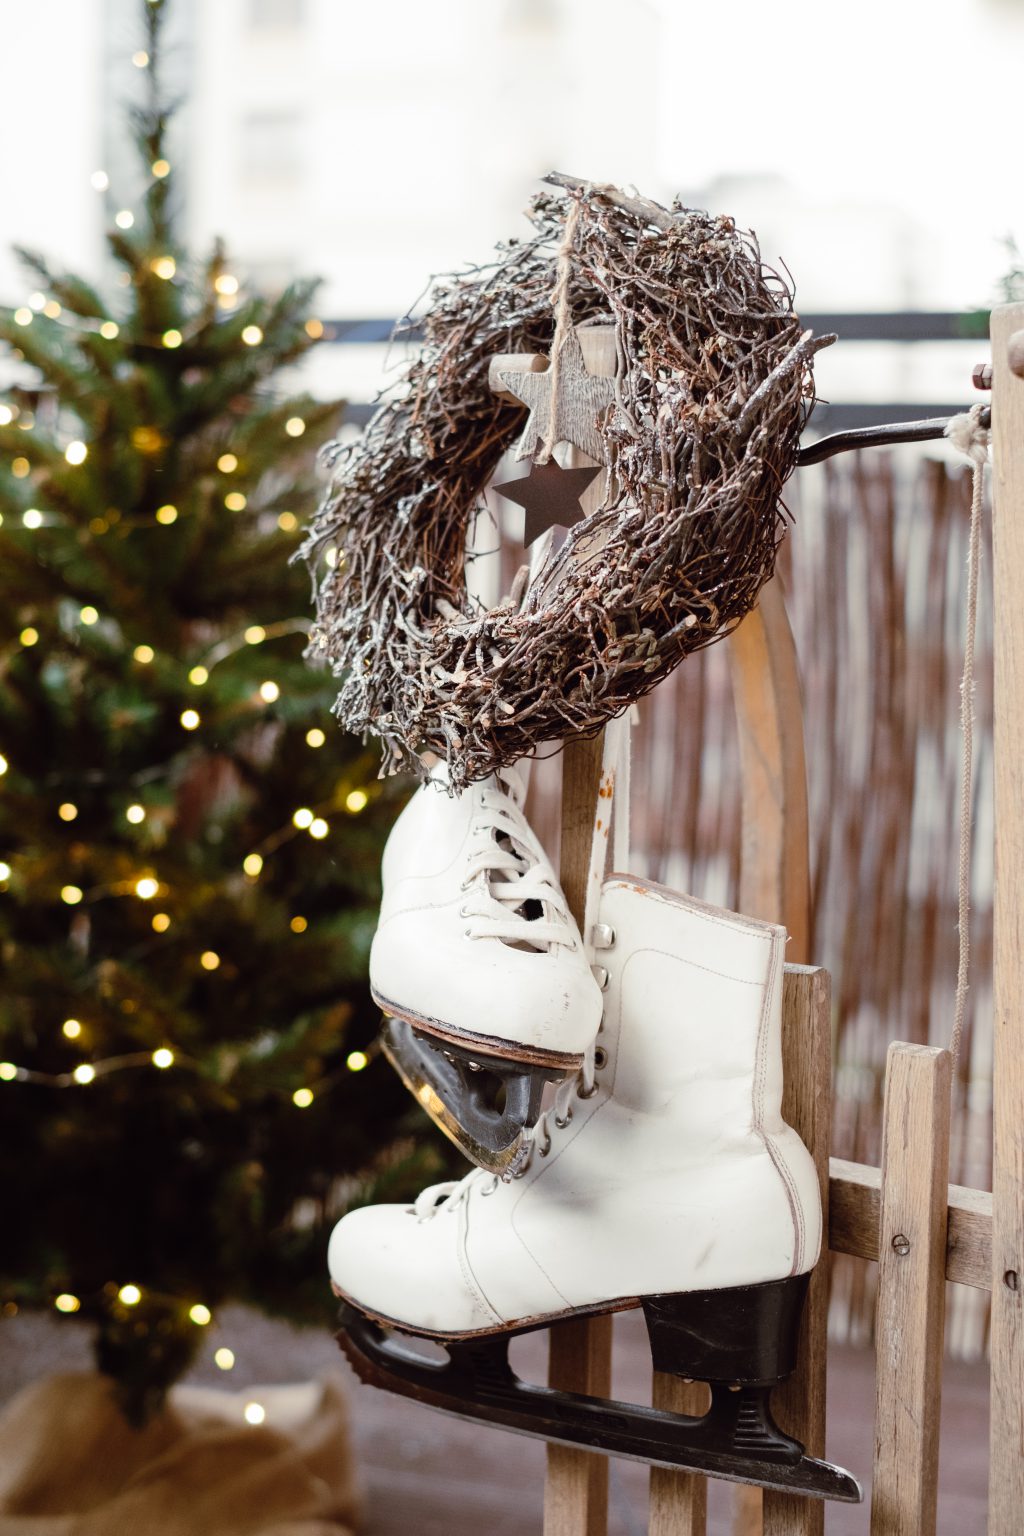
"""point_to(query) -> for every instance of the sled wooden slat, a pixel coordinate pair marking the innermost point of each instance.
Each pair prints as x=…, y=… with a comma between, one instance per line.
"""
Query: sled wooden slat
x=1006, y=1448
x=910, y=1311
x=855, y=1203
x=799, y=1404
x=576, y=1490
x=678, y=1503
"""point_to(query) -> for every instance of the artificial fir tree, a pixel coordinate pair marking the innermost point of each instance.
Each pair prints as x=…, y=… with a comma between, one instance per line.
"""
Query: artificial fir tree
x=189, y=846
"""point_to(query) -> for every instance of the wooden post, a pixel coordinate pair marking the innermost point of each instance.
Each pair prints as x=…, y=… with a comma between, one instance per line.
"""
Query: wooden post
x=911, y=1291
x=576, y=1491
x=1006, y=1452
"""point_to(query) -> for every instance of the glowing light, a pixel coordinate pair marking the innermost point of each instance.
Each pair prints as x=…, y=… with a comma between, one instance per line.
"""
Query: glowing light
x=20, y=467
x=29, y=636
x=356, y=1061
x=315, y=328
x=5, y=871
x=130, y=1295
x=315, y=737
x=171, y=339
x=163, y=1058
x=198, y=676
x=356, y=801
x=190, y=719
x=269, y=692
x=200, y=1315
x=227, y=463
x=146, y=888
x=135, y=814
x=6, y=415
x=71, y=894
x=88, y=614
x=254, y=634
x=303, y=817
x=287, y=522
x=224, y=1359
x=209, y=960
x=235, y=501
x=76, y=452
x=298, y=925
x=109, y=329
x=302, y=1098
x=252, y=864
x=295, y=426
x=65, y=1302
x=67, y=811
x=319, y=828
x=161, y=922
x=167, y=515
x=226, y=300
x=84, y=1074
x=161, y=168
x=252, y=335
x=124, y=218
x=32, y=517
x=72, y=1028
x=144, y=653
x=140, y=59
x=163, y=266
x=8, y=1071
x=226, y=282
x=52, y=310
x=254, y=1413
x=100, y=181
x=23, y=316
x=3, y=764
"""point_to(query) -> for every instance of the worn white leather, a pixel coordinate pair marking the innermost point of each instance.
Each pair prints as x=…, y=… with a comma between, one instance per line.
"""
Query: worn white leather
x=451, y=945
x=677, y=1174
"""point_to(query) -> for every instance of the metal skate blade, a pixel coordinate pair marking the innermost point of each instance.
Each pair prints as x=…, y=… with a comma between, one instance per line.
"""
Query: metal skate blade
x=476, y=1382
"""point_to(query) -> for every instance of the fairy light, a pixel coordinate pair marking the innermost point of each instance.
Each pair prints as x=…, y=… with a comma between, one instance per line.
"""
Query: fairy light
x=252, y=864
x=189, y=719
x=140, y=59
x=302, y=1098
x=160, y=169
x=109, y=330
x=254, y=1413
x=319, y=828
x=356, y=800
x=209, y=960
x=65, y=1302
x=226, y=283
x=144, y=654
x=76, y=452
x=124, y=218
x=23, y=315
x=269, y=692
x=146, y=888
x=303, y=817
x=3, y=767
x=167, y=515
x=135, y=814
x=314, y=328
x=163, y=266
x=200, y=1315
x=163, y=1058
x=71, y=895
x=84, y=1074
x=171, y=339
x=235, y=501
x=255, y=634
x=252, y=335
x=295, y=426
x=20, y=468
x=161, y=922
x=8, y=1071
x=315, y=737
x=287, y=522
x=88, y=614
x=29, y=636
x=355, y=1061
x=100, y=181
x=71, y=1028
x=31, y=517
x=6, y=415
x=67, y=811
x=52, y=310
x=224, y=1359
x=227, y=463
x=130, y=1295
x=198, y=676
x=298, y=925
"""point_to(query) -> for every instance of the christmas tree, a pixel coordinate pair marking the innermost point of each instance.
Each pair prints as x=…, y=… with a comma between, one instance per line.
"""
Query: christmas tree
x=189, y=847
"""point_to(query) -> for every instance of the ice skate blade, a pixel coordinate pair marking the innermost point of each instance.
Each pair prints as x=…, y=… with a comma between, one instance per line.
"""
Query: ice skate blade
x=736, y=1440
x=457, y=1086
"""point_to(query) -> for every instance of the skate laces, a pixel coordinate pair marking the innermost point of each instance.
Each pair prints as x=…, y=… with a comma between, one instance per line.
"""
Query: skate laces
x=451, y=1194
x=511, y=891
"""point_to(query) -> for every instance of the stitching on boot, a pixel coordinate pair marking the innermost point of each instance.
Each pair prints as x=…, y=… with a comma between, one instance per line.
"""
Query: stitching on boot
x=774, y=1151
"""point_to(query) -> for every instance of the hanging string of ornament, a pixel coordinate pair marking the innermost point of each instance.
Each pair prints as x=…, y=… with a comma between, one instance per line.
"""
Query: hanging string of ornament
x=698, y=432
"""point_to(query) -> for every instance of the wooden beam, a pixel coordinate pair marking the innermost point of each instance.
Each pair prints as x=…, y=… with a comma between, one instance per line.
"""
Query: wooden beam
x=855, y=1203
x=1006, y=1445
x=910, y=1311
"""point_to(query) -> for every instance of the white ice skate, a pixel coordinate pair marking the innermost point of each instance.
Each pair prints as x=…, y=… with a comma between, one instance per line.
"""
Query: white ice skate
x=663, y=1177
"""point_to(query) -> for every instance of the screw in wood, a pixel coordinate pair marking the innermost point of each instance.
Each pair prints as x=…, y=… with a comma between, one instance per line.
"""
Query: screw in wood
x=901, y=1245
x=982, y=376
x=1011, y=1280
x=1015, y=354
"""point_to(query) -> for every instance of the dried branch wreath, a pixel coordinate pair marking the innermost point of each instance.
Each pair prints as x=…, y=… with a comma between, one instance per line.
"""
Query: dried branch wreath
x=712, y=390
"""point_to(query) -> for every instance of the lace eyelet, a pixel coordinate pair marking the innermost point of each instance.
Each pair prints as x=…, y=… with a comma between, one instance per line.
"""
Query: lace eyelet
x=587, y=1093
x=492, y=1189
x=600, y=1058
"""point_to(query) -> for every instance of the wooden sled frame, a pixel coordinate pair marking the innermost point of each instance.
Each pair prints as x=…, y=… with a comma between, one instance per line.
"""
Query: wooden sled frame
x=904, y=1215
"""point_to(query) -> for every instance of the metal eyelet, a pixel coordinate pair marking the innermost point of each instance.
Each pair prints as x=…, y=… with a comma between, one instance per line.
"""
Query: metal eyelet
x=600, y=1058
x=600, y=976
x=603, y=936
x=492, y=1190
x=586, y=1093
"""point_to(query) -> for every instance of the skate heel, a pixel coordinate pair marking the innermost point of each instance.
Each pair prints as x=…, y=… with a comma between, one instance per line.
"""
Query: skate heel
x=745, y=1334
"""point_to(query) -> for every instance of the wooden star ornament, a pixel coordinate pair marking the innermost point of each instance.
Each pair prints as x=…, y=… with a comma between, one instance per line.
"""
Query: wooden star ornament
x=550, y=496
x=582, y=401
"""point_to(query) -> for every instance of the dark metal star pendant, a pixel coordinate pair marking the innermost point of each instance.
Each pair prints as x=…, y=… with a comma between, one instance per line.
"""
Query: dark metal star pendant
x=550, y=496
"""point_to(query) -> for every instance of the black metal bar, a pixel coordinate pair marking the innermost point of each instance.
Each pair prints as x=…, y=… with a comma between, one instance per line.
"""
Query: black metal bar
x=926, y=431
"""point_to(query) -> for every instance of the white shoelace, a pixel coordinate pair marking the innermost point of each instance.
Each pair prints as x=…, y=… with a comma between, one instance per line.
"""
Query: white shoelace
x=507, y=870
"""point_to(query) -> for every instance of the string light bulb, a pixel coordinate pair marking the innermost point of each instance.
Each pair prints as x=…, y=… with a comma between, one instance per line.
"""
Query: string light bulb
x=227, y=463
x=269, y=692
x=356, y=800
x=161, y=922
x=319, y=828
x=295, y=426
x=298, y=925
x=167, y=515
x=164, y=267
x=163, y=1058
x=71, y=895
x=29, y=636
x=303, y=817
x=146, y=888
x=140, y=59
x=135, y=814
x=254, y=1413
x=252, y=864
x=88, y=614
x=8, y=1071
x=68, y=811
x=200, y=1315
x=171, y=339
x=65, y=1302
x=224, y=1359
x=3, y=764
x=355, y=1061
x=302, y=1098
x=99, y=181
x=198, y=676
x=130, y=1295
x=226, y=283
x=287, y=522
x=124, y=218
x=71, y=1028
x=189, y=719
x=235, y=501
x=84, y=1074
x=144, y=654
x=20, y=469
x=109, y=330
x=160, y=169
x=52, y=310
x=255, y=634
x=252, y=335
x=315, y=737
x=209, y=960
x=314, y=328
x=5, y=871
x=76, y=452
x=23, y=315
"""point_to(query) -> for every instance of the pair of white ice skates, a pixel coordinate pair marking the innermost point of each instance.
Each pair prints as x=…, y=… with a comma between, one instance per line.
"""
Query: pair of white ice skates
x=658, y=1173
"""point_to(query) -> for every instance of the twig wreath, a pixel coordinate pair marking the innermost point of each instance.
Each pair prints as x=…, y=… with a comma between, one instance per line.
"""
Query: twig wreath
x=712, y=389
